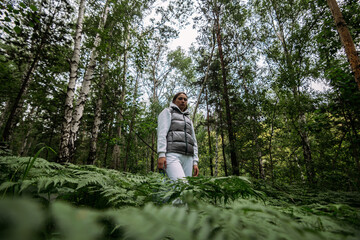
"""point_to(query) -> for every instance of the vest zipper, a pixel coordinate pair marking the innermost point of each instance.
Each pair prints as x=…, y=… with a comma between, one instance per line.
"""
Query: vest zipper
x=186, y=144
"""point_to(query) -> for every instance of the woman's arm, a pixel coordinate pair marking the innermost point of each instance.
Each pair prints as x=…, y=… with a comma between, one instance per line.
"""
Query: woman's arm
x=164, y=121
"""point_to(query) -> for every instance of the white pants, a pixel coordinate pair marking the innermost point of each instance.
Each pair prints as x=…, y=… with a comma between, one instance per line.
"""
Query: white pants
x=178, y=166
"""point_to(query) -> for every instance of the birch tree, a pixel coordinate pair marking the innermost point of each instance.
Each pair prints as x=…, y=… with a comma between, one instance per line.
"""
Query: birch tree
x=85, y=87
x=64, y=151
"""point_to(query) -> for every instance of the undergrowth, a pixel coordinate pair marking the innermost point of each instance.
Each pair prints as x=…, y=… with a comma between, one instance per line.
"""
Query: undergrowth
x=55, y=201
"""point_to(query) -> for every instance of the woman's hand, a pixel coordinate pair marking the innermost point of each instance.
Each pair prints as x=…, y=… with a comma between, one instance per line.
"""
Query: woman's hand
x=196, y=171
x=162, y=163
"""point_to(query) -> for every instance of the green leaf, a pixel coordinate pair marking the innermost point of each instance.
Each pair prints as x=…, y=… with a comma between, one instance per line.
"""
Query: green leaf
x=25, y=184
x=17, y=29
x=33, y=7
x=7, y=30
x=22, y=5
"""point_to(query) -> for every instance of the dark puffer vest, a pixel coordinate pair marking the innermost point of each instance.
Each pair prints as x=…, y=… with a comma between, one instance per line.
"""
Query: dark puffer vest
x=179, y=139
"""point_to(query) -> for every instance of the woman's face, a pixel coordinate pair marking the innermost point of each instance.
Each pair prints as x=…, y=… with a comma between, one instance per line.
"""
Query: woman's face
x=181, y=101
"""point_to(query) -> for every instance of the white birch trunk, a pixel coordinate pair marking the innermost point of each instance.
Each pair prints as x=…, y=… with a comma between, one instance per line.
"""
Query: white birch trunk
x=85, y=88
x=4, y=113
x=74, y=63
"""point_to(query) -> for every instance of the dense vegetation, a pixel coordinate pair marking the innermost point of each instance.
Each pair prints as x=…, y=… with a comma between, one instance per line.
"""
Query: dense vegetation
x=274, y=98
x=132, y=206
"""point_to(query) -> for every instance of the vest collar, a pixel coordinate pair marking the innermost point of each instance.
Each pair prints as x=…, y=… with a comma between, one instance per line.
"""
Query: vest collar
x=174, y=106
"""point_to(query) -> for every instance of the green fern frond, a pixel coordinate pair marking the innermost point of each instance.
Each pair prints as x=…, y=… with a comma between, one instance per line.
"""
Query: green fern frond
x=6, y=185
x=25, y=184
x=92, y=179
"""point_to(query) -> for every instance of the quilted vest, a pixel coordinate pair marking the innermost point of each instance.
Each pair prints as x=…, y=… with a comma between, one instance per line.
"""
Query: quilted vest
x=179, y=139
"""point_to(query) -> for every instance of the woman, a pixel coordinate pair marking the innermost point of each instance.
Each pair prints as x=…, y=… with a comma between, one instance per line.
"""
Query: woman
x=176, y=141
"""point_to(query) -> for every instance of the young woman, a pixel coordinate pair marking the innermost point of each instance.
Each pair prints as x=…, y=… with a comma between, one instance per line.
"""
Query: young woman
x=176, y=141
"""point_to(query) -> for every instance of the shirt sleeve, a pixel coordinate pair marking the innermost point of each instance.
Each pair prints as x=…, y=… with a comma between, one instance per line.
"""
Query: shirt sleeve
x=196, y=156
x=164, y=121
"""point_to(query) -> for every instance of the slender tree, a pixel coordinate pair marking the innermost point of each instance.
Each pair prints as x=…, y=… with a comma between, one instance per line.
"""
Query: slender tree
x=120, y=115
x=40, y=28
x=231, y=135
x=97, y=116
x=346, y=40
x=209, y=135
x=64, y=152
x=85, y=88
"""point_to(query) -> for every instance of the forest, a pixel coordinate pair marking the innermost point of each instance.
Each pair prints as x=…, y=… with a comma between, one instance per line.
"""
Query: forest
x=274, y=96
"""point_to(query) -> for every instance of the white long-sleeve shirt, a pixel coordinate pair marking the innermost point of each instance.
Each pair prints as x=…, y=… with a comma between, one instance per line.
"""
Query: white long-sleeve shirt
x=164, y=122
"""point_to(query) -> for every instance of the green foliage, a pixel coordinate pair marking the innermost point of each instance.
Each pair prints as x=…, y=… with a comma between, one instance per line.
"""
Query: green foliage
x=100, y=188
x=64, y=198
x=241, y=220
x=219, y=190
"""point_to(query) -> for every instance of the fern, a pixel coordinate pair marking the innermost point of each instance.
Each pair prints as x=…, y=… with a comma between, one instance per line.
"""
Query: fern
x=215, y=190
x=139, y=206
x=243, y=219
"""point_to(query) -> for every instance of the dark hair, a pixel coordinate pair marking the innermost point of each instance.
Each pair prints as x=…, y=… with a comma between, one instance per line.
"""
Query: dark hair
x=176, y=96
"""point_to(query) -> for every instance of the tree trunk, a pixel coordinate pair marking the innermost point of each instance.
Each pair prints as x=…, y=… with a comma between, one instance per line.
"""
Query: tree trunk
x=222, y=137
x=109, y=132
x=270, y=145
x=17, y=104
x=309, y=165
x=97, y=118
x=209, y=136
x=116, y=150
x=124, y=87
x=205, y=79
x=64, y=152
x=259, y=157
x=223, y=152
x=216, y=155
x=115, y=157
x=29, y=129
x=232, y=138
x=132, y=122
x=155, y=83
x=24, y=144
x=346, y=40
x=298, y=166
x=85, y=88
x=353, y=133
x=50, y=139
x=4, y=113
